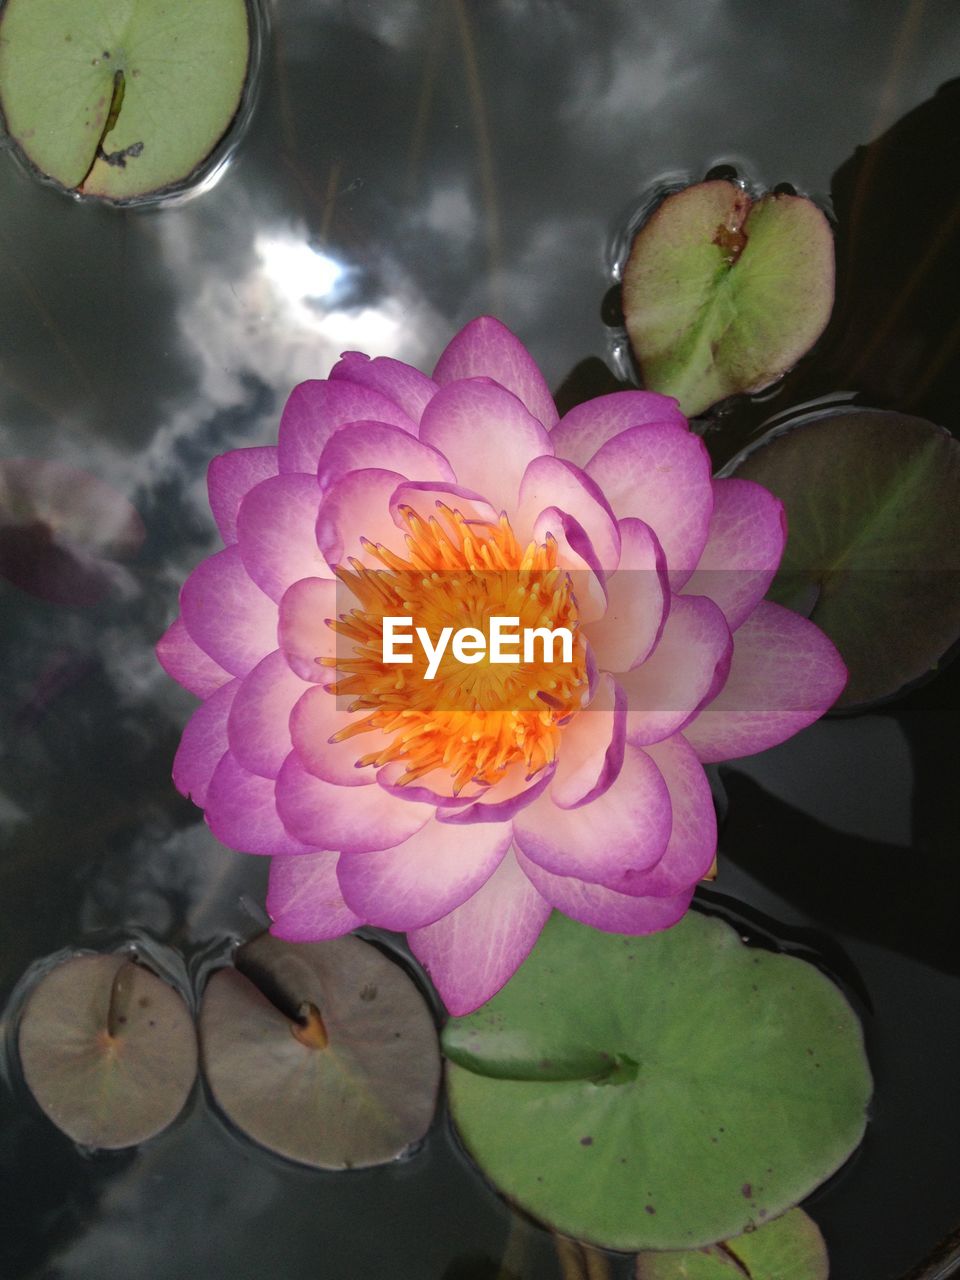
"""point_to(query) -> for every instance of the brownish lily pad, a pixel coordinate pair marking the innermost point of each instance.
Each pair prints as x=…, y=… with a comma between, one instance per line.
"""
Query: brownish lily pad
x=324, y=1052
x=108, y=1050
x=723, y=293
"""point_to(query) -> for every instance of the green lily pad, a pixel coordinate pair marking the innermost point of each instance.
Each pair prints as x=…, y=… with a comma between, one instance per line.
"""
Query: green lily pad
x=326, y=1052
x=789, y=1248
x=108, y=1050
x=658, y=1093
x=723, y=294
x=873, y=552
x=125, y=98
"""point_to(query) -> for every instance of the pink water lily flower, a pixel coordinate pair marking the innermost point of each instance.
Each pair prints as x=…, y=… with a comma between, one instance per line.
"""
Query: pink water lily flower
x=461, y=821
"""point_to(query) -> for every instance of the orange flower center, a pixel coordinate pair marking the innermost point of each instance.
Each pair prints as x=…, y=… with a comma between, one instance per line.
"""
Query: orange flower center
x=470, y=721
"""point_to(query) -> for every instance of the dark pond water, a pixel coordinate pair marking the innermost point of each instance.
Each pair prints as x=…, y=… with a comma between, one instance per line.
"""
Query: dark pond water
x=407, y=166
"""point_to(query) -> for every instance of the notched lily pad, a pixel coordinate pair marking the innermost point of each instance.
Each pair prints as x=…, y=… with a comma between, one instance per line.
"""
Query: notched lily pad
x=323, y=1051
x=789, y=1248
x=723, y=294
x=108, y=1050
x=121, y=99
x=658, y=1093
x=873, y=550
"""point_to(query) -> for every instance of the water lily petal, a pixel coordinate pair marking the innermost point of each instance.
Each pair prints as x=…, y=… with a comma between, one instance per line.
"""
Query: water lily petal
x=575, y=554
x=660, y=474
x=588, y=426
x=425, y=496
x=317, y=716
x=591, y=749
x=401, y=383
x=184, y=661
x=361, y=445
x=302, y=632
x=473, y=951
x=626, y=828
x=203, y=745
x=259, y=724
x=435, y=787
x=785, y=674
x=637, y=598
x=316, y=409
x=748, y=531
x=693, y=836
x=605, y=908
x=485, y=348
x=227, y=614
x=330, y=816
x=685, y=670
x=304, y=899
x=230, y=477
x=555, y=484
x=426, y=877
x=487, y=436
x=241, y=812
x=513, y=792
x=276, y=532
x=356, y=511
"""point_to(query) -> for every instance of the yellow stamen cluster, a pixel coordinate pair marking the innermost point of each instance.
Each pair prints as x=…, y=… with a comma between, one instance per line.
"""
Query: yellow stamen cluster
x=471, y=721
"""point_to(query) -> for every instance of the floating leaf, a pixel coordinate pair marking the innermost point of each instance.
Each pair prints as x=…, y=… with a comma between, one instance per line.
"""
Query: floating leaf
x=662, y=1092
x=108, y=1050
x=121, y=99
x=723, y=294
x=325, y=1053
x=62, y=531
x=789, y=1248
x=873, y=553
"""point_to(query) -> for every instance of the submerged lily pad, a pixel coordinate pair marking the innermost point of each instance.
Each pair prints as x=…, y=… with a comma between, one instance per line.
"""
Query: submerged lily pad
x=723, y=294
x=62, y=531
x=108, y=1050
x=662, y=1092
x=125, y=98
x=789, y=1248
x=873, y=551
x=325, y=1053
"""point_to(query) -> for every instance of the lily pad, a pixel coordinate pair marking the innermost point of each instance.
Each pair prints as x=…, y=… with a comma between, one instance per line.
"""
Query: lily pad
x=789, y=1248
x=873, y=552
x=62, y=531
x=125, y=98
x=723, y=294
x=108, y=1050
x=658, y=1093
x=326, y=1052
